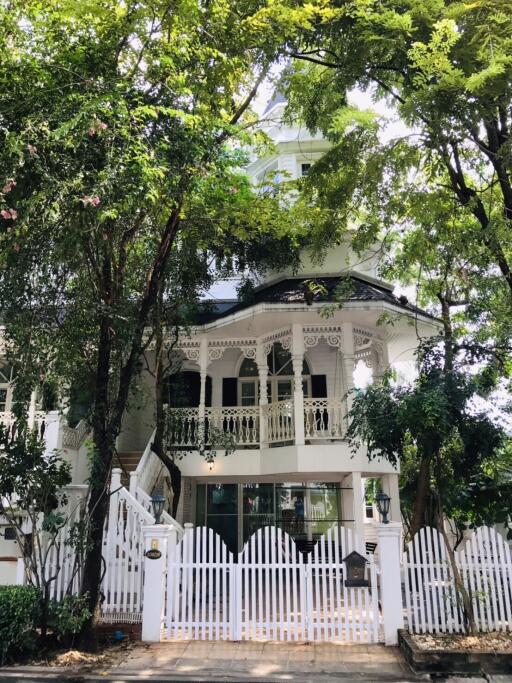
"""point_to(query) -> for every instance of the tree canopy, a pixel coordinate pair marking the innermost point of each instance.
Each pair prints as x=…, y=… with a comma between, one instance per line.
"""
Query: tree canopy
x=120, y=136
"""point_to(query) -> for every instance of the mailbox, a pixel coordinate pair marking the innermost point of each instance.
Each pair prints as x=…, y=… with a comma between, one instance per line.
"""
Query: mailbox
x=355, y=564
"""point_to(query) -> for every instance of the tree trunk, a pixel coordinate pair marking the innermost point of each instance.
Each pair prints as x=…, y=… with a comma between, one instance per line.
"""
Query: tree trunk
x=422, y=493
x=158, y=442
x=462, y=594
x=97, y=509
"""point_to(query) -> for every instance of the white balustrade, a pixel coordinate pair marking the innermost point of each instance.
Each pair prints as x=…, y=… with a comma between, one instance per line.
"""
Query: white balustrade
x=241, y=422
x=184, y=427
x=280, y=421
x=323, y=418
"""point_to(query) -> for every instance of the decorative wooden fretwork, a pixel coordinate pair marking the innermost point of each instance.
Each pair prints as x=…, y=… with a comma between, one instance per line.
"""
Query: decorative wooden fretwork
x=216, y=347
x=332, y=334
x=283, y=337
x=191, y=348
x=362, y=338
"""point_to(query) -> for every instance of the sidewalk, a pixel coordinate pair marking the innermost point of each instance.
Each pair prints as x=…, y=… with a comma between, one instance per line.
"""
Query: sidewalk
x=267, y=662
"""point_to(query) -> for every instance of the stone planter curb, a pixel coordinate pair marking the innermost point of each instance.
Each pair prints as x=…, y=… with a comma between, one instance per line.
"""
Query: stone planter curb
x=450, y=662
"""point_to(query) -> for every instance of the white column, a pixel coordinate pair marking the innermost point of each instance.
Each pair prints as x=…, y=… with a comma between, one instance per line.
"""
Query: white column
x=261, y=362
x=354, y=508
x=298, y=392
x=390, y=486
x=156, y=537
x=389, y=545
x=348, y=359
x=382, y=360
x=203, y=367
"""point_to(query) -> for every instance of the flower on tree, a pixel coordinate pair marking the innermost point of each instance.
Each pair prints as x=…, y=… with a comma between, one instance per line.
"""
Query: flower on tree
x=8, y=186
x=96, y=127
x=90, y=201
x=32, y=150
x=9, y=214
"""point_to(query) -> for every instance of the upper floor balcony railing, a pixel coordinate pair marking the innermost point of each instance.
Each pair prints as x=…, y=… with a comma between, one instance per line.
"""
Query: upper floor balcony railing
x=256, y=426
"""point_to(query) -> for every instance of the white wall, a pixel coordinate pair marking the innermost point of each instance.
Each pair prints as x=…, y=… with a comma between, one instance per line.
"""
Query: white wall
x=9, y=551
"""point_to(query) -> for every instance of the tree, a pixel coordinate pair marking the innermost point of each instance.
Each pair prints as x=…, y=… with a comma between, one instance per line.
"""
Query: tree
x=432, y=423
x=31, y=483
x=445, y=68
x=116, y=117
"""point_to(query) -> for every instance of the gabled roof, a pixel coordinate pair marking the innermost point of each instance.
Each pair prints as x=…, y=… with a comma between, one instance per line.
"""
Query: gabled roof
x=293, y=291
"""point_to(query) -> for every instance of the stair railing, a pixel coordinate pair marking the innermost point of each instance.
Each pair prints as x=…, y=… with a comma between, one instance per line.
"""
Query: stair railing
x=144, y=479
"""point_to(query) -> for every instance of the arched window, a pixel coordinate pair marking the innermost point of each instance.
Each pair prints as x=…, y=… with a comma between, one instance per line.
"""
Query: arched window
x=280, y=378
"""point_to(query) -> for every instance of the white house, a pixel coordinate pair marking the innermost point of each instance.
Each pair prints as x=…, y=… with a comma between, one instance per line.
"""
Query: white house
x=276, y=376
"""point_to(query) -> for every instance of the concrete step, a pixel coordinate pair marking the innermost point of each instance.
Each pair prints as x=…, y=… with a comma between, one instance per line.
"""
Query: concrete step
x=128, y=460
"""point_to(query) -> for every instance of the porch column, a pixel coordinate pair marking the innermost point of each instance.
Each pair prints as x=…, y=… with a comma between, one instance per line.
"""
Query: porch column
x=348, y=363
x=203, y=367
x=261, y=362
x=382, y=359
x=390, y=486
x=353, y=507
x=298, y=392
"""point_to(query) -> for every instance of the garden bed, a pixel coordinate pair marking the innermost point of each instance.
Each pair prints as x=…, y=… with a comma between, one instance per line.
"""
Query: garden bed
x=484, y=653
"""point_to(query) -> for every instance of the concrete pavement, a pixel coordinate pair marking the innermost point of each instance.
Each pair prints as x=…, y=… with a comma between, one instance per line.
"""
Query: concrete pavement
x=199, y=661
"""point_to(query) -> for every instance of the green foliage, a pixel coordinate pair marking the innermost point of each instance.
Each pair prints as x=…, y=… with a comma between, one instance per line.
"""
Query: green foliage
x=436, y=189
x=434, y=419
x=32, y=476
x=66, y=618
x=19, y=606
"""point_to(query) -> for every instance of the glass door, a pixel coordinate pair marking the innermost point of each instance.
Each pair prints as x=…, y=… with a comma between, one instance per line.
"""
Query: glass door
x=217, y=508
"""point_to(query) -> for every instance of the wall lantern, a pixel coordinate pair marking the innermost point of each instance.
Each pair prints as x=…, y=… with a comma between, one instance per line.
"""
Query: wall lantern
x=355, y=564
x=383, y=501
x=157, y=503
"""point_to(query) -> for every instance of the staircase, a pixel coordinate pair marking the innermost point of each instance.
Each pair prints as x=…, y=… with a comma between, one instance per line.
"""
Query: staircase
x=127, y=461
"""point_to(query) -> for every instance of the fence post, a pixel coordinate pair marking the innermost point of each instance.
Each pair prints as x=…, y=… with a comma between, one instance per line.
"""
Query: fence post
x=389, y=539
x=156, y=537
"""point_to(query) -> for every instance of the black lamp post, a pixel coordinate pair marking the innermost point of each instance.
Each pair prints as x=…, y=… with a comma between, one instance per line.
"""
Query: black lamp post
x=383, y=501
x=157, y=502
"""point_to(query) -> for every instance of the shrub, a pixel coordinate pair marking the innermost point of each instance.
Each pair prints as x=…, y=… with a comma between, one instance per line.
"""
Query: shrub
x=19, y=609
x=66, y=617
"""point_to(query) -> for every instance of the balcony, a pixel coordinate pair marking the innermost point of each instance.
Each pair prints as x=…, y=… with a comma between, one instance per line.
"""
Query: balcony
x=274, y=424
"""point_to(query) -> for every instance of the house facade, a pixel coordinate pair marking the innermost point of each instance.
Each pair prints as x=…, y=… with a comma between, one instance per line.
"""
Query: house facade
x=273, y=379
x=276, y=375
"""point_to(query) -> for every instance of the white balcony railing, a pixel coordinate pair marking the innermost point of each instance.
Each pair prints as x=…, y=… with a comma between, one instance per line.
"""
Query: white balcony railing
x=36, y=420
x=323, y=419
x=241, y=422
x=280, y=421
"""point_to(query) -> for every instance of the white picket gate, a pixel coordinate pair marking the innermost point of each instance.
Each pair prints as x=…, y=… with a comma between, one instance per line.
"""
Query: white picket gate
x=485, y=565
x=270, y=591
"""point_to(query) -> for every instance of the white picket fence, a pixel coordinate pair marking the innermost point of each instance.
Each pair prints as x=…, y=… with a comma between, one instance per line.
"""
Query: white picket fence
x=270, y=591
x=432, y=602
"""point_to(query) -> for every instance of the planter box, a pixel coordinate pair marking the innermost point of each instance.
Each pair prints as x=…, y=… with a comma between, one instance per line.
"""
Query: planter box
x=452, y=662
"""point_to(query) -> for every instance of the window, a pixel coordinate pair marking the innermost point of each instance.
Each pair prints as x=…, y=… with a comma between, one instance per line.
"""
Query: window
x=280, y=378
x=9, y=533
x=5, y=379
x=304, y=169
